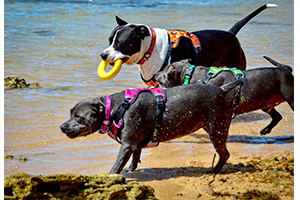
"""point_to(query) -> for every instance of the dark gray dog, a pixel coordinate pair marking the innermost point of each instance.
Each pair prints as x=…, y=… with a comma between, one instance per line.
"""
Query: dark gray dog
x=266, y=87
x=187, y=109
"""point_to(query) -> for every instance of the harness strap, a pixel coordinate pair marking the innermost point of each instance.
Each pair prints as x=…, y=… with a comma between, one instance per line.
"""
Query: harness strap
x=214, y=71
x=188, y=74
x=105, y=126
x=115, y=127
x=151, y=82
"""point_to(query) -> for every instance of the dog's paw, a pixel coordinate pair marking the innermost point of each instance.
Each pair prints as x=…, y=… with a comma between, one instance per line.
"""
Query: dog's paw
x=129, y=169
x=265, y=131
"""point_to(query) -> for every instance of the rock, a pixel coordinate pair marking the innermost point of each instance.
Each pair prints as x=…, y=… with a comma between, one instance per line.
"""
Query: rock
x=18, y=82
x=8, y=157
x=22, y=159
x=73, y=186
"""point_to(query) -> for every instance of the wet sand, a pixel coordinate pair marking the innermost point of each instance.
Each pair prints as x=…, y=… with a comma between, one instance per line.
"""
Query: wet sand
x=187, y=179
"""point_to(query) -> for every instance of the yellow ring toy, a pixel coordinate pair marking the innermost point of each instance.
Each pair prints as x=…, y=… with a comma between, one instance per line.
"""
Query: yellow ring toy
x=112, y=73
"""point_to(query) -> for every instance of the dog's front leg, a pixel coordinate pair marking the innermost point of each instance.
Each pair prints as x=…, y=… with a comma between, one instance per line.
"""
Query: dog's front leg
x=123, y=156
x=135, y=160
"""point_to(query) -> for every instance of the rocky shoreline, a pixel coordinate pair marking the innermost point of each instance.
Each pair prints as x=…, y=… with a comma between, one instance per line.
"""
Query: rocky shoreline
x=247, y=177
x=74, y=186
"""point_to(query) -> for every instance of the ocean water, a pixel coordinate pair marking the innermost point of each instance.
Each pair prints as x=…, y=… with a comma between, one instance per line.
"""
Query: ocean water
x=57, y=43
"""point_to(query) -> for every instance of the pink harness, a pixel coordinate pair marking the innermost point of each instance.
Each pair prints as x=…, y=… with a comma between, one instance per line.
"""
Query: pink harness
x=113, y=129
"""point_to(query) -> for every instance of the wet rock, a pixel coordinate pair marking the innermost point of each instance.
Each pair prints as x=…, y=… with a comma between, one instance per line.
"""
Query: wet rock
x=18, y=82
x=8, y=156
x=73, y=186
x=256, y=194
x=22, y=159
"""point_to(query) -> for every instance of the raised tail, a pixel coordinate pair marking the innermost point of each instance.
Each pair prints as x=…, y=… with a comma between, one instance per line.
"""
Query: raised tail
x=277, y=64
x=229, y=86
x=237, y=26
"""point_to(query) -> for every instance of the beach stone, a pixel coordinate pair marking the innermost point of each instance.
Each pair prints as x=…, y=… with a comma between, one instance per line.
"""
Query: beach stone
x=18, y=82
x=74, y=186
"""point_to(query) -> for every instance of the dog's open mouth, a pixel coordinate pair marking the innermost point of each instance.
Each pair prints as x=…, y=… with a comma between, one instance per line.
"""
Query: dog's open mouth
x=123, y=61
x=82, y=132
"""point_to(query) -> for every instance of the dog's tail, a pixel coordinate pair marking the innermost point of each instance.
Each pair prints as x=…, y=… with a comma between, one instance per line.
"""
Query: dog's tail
x=229, y=86
x=237, y=26
x=277, y=64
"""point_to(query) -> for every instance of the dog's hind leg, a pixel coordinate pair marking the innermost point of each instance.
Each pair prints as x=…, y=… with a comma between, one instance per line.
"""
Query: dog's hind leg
x=123, y=156
x=276, y=117
x=135, y=160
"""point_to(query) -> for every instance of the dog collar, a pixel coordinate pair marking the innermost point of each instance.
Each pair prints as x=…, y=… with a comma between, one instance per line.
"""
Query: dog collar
x=105, y=126
x=150, y=50
x=188, y=73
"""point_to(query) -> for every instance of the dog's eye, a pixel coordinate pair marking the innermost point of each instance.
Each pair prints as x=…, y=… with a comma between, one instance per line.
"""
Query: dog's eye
x=79, y=119
x=119, y=43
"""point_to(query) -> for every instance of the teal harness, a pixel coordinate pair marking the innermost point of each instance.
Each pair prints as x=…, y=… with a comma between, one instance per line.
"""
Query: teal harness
x=188, y=74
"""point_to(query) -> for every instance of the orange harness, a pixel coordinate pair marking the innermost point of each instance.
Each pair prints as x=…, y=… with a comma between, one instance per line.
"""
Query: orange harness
x=174, y=36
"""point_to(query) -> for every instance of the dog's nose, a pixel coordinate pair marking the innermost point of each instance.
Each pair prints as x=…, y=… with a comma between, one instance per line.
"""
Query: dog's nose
x=63, y=128
x=104, y=55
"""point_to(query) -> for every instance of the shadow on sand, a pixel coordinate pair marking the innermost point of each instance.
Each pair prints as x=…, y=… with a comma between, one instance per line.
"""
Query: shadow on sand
x=151, y=174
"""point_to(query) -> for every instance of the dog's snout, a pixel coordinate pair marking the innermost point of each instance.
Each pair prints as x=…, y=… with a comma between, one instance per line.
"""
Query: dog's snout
x=104, y=55
x=63, y=128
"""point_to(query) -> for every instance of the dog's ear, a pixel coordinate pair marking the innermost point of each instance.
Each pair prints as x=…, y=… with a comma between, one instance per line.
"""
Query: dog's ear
x=97, y=106
x=141, y=31
x=189, y=61
x=120, y=21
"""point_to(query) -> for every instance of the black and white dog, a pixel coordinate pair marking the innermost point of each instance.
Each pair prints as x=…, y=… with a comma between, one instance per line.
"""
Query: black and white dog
x=151, y=48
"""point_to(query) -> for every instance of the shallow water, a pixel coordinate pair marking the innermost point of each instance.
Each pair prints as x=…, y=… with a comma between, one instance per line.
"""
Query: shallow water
x=57, y=43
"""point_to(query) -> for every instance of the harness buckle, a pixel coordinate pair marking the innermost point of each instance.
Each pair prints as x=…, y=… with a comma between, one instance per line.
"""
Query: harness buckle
x=188, y=72
x=159, y=100
x=104, y=127
x=239, y=75
x=125, y=104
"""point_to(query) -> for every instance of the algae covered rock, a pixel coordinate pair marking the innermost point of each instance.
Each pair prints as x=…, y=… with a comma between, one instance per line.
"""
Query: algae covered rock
x=73, y=186
x=18, y=82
